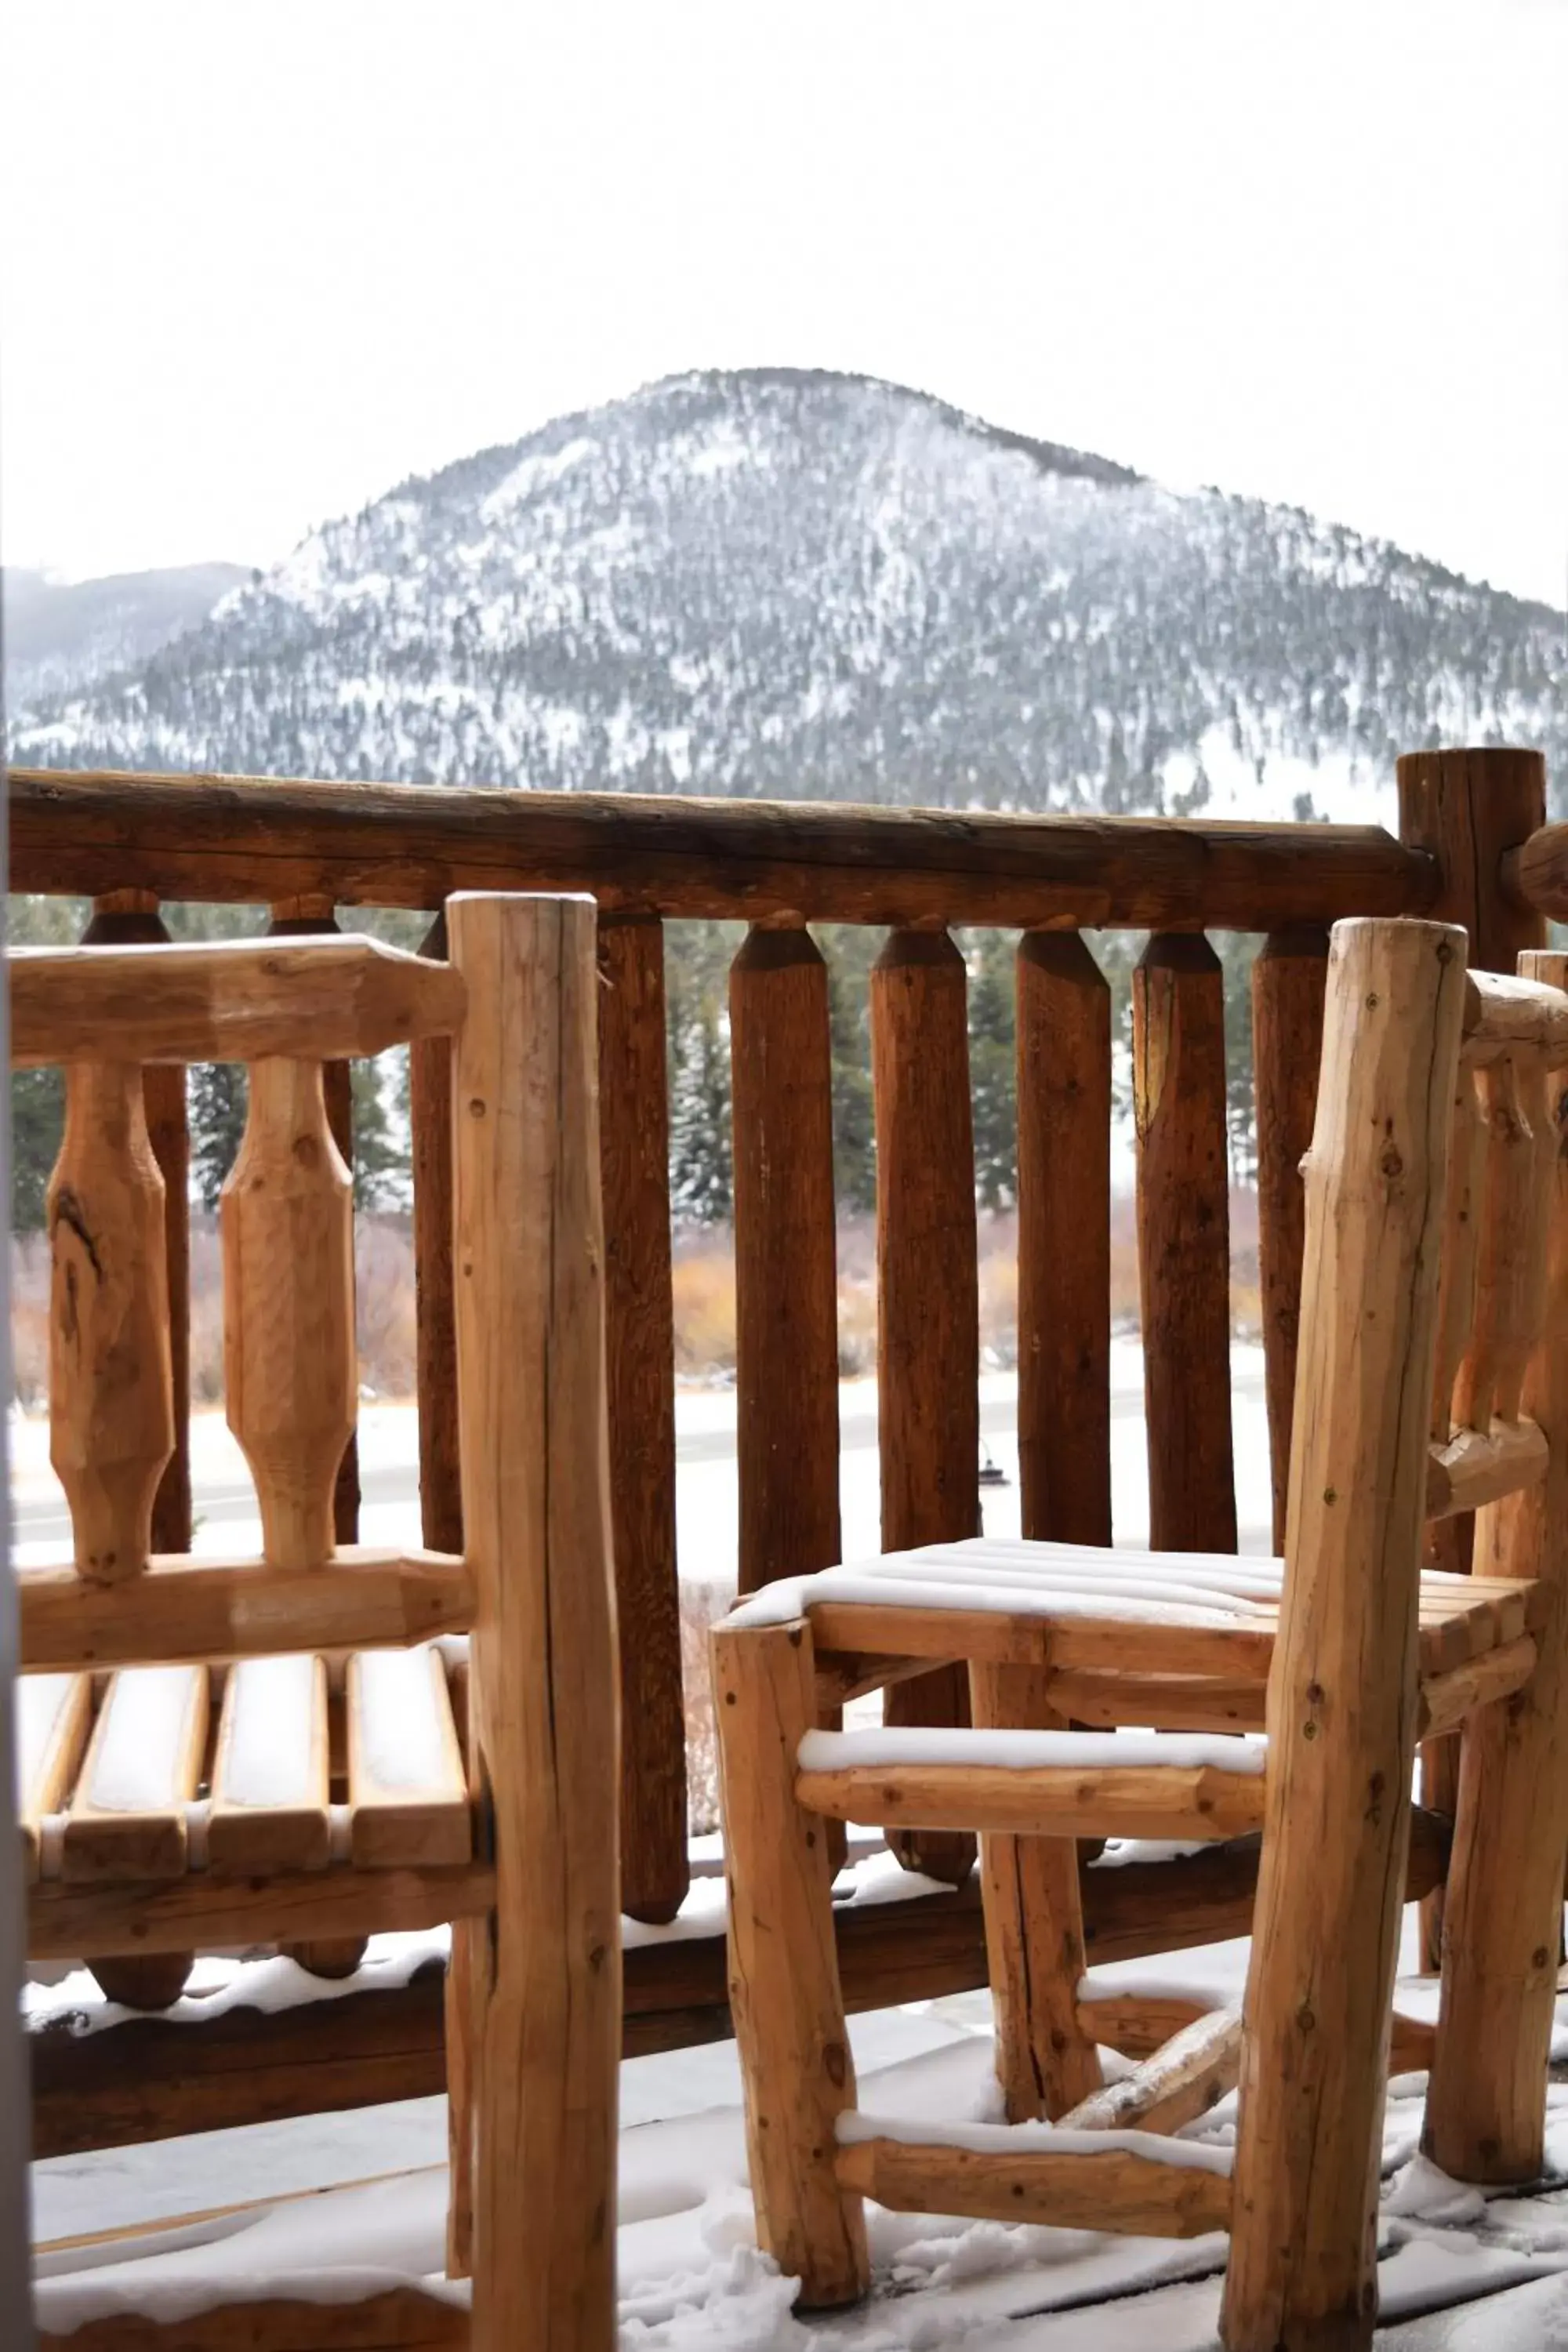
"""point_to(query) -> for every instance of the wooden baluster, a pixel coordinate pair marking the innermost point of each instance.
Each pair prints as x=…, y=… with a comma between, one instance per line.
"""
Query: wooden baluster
x=1064, y=1240
x=786, y=1266
x=1486, y=2102
x=131, y=918
x=928, y=1333
x=306, y=918
x=1288, y=981
x=1449, y=1541
x=640, y=1348
x=1183, y=1242
x=1466, y=809
x=1342, y=1687
x=543, y=1696
x=786, y=1276
x=290, y=1366
x=430, y=1123
x=112, y=1425
x=1493, y=1367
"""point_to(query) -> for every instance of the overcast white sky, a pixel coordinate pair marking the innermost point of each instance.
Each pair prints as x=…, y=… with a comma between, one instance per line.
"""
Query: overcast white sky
x=263, y=259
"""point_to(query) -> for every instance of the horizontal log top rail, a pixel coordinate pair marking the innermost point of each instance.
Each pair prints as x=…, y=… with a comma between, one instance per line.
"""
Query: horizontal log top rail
x=254, y=839
x=240, y=1001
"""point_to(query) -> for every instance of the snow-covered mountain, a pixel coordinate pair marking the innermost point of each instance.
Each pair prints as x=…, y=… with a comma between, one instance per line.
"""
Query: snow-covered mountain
x=62, y=635
x=792, y=584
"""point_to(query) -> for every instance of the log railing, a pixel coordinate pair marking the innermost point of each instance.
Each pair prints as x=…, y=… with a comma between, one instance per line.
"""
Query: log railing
x=1470, y=847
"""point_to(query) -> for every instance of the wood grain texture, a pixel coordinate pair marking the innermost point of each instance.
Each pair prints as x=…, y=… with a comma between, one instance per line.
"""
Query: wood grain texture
x=786, y=1280
x=182, y=1610
x=258, y=838
x=430, y=1134
x=1484, y=2113
x=1181, y=2080
x=112, y=1426
x=223, y=1001
x=796, y=2069
x=53, y=1716
x=208, y=1910
x=543, y=1687
x=1288, y=980
x=289, y=1362
x=1183, y=1242
x=114, y=924
x=639, y=1347
x=311, y=918
x=1470, y=811
x=1156, y=1800
x=1034, y=1929
x=927, y=1316
x=1342, y=1689
x=1064, y=1240
x=1135, y=2196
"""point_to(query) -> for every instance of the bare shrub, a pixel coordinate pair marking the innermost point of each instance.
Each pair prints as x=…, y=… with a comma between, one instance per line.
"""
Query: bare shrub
x=700, y=1606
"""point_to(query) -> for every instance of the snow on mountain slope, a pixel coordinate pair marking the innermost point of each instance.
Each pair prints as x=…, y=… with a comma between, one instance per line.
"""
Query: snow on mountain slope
x=61, y=635
x=792, y=584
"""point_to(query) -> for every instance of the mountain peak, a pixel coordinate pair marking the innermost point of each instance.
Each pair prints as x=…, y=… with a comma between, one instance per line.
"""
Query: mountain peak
x=795, y=583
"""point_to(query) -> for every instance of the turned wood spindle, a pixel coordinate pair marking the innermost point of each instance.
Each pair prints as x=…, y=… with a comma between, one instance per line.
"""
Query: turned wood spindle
x=111, y=1419
x=288, y=1342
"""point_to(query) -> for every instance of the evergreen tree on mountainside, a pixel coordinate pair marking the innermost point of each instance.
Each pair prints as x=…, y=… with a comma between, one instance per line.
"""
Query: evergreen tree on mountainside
x=799, y=585
x=215, y=1107
x=37, y=1122
x=992, y=1065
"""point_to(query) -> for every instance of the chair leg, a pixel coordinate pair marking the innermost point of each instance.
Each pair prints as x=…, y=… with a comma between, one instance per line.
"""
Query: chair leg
x=1342, y=1689
x=784, y=1992
x=1502, y=1923
x=1502, y=1919
x=1045, y=2064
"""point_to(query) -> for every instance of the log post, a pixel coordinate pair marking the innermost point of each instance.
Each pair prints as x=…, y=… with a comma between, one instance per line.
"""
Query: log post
x=786, y=1265
x=928, y=1318
x=131, y=918
x=1468, y=811
x=1503, y=1921
x=786, y=1276
x=430, y=1125
x=784, y=1993
x=639, y=1344
x=1183, y=1242
x=543, y=1693
x=1288, y=980
x=1045, y=2064
x=1342, y=1689
x=306, y=918
x=1064, y=1240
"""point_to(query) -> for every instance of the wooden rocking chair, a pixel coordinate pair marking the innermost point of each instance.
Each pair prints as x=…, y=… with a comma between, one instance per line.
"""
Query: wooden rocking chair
x=177, y=1775
x=1436, y=1154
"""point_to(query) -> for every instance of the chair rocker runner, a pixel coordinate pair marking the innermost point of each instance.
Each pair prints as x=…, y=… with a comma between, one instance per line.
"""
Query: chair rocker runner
x=1432, y=1379
x=178, y=1767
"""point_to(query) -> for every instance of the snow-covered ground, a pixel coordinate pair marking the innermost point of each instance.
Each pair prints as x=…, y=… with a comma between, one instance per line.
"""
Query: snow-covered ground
x=691, y=2277
x=707, y=1503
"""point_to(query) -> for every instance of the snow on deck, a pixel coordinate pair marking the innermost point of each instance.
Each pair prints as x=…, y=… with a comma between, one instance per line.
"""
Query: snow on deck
x=1460, y=2271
